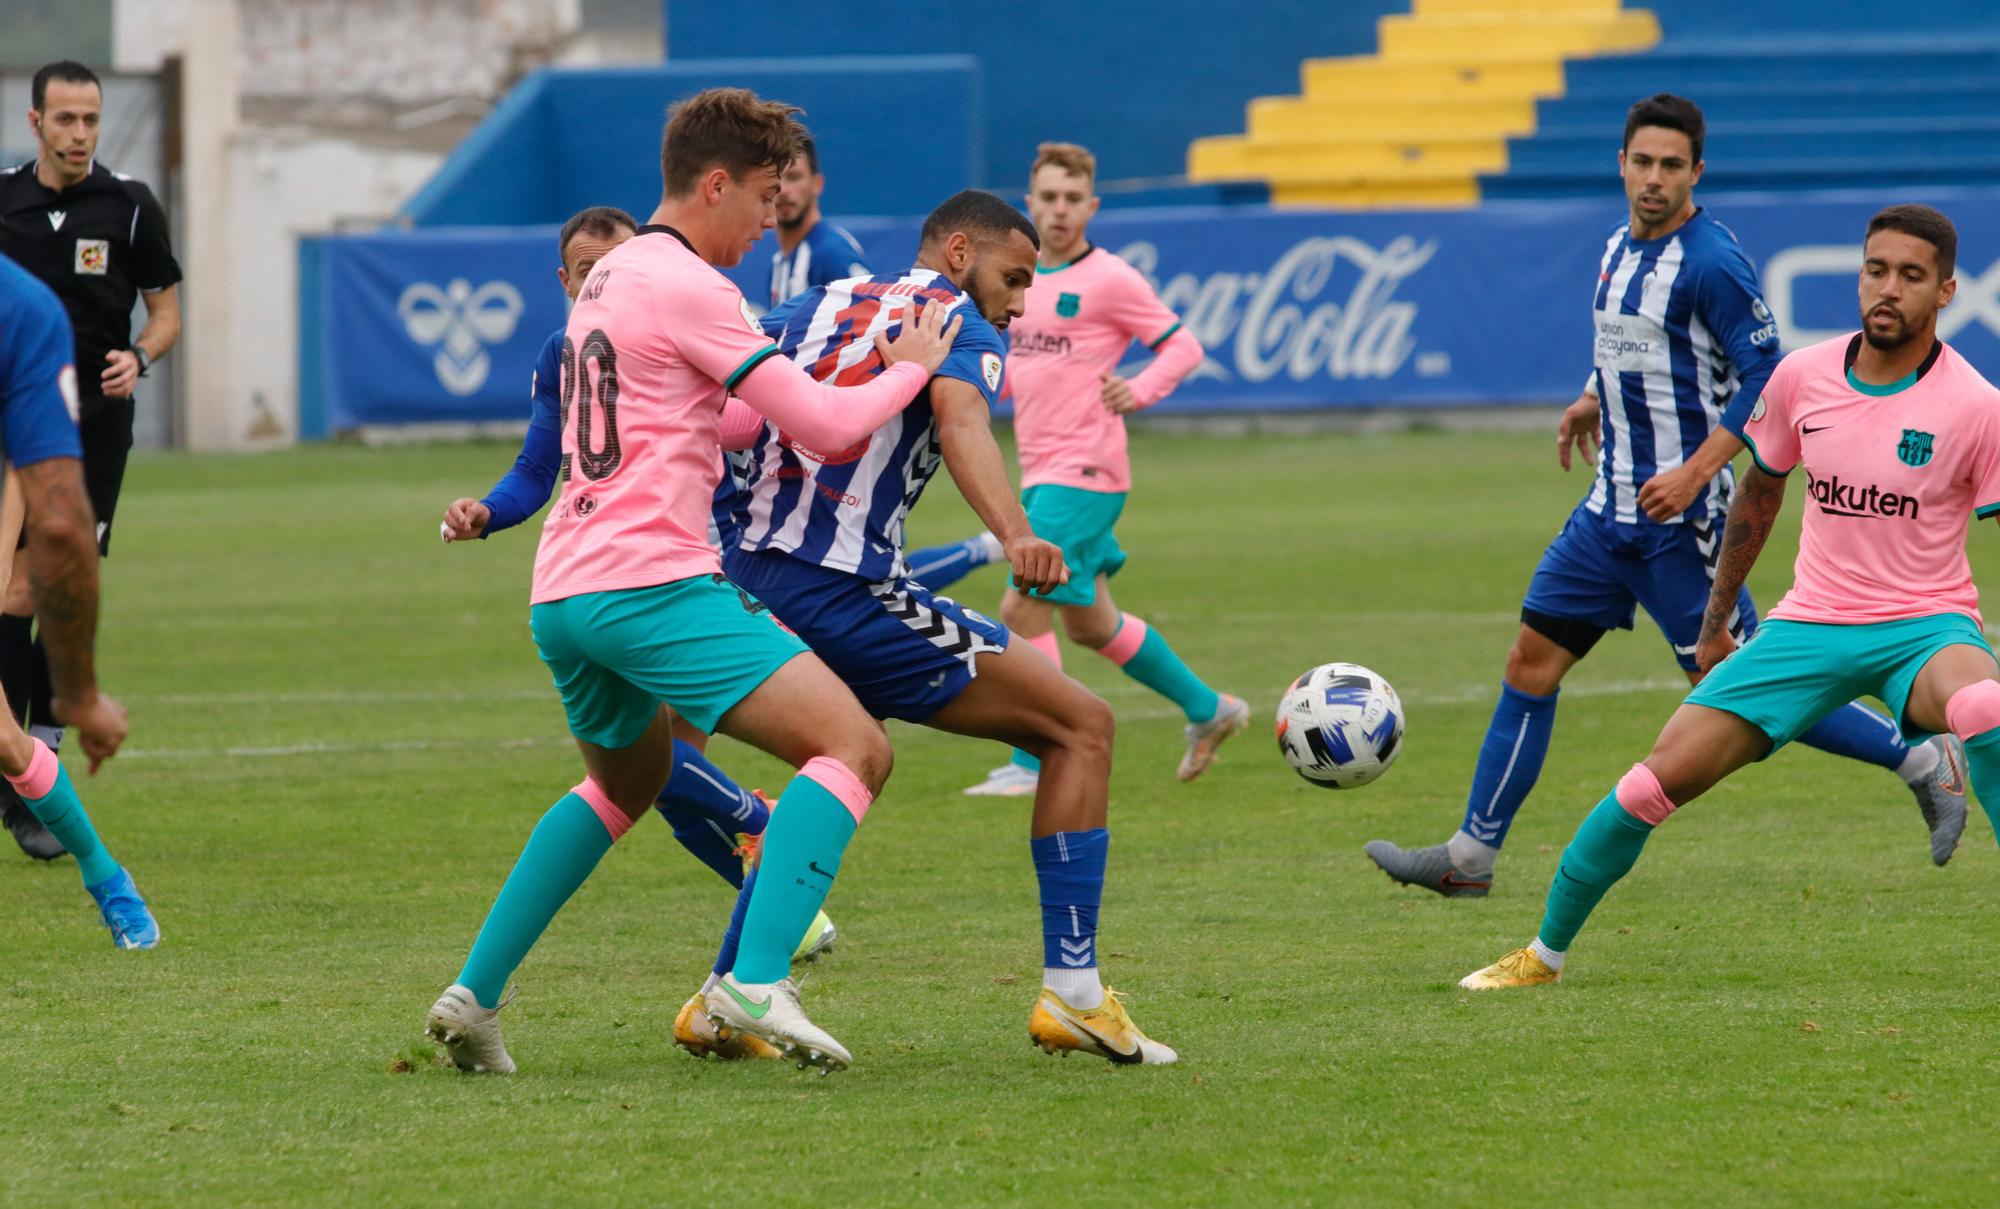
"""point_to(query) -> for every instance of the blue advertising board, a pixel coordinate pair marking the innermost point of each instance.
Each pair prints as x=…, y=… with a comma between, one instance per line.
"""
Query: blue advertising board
x=1298, y=310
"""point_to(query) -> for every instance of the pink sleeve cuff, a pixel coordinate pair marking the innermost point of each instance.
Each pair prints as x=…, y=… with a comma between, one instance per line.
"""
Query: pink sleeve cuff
x=1176, y=358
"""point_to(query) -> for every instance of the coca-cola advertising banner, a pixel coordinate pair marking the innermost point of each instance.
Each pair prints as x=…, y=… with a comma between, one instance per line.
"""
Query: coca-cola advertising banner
x=1297, y=309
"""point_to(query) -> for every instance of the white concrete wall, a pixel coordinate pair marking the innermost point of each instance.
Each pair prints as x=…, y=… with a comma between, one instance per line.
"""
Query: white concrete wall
x=302, y=140
x=285, y=184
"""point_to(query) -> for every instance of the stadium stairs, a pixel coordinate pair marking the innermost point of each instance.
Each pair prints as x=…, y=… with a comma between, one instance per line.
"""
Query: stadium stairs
x=1429, y=116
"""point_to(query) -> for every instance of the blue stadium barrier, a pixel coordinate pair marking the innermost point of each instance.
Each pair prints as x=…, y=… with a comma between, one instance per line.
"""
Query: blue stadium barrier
x=1136, y=80
x=566, y=138
x=1297, y=310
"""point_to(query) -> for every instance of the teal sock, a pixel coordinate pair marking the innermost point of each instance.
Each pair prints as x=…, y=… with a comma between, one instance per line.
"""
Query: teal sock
x=565, y=847
x=1156, y=666
x=63, y=814
x=802, y=846
x=1024, y=760
x=1603, y=851
x=1982, y=755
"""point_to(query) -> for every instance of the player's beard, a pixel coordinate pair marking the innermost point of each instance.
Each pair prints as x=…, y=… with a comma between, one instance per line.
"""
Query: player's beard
x=1890, y=341
x=972, y=283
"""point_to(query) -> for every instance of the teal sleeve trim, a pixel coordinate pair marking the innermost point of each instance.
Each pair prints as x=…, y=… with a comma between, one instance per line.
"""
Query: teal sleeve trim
x=1155, y=345
x=743, y=371
x=1986, y=510
x=1759, y=459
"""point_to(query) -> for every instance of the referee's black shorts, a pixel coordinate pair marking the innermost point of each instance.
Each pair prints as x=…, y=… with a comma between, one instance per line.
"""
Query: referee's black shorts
x=106, y=429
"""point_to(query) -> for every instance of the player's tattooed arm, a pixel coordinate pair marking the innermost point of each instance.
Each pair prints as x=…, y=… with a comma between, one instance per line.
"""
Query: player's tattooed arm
x=965, y=438
x=1751, y=519
x=62, y=567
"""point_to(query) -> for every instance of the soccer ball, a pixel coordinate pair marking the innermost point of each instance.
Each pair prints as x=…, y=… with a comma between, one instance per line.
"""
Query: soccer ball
x=1340, y=726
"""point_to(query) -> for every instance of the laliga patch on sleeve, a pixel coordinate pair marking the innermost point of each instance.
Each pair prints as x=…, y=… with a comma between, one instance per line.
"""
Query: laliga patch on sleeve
x=989, y=368
x=749, y=316
x=1757, y=412
x=93, y=257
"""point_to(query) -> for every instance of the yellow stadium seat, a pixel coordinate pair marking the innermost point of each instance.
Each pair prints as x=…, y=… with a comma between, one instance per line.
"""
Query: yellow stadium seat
x=1416, y=123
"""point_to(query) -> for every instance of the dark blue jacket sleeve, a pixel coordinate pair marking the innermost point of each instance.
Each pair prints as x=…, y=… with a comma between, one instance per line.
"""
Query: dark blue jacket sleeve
x=1731, y=305
x=525, y=488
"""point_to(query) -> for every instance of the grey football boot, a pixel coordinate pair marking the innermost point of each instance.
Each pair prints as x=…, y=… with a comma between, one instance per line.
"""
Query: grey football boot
x=1941, y=797
x=1430, y=868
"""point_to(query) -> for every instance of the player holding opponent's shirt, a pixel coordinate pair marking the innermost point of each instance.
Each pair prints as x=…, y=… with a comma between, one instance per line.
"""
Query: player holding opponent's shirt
x=712, y=816
x=1086, y=308
x=822, y=545
x=1684, y=345
x=1900, y=441
x=629, y=608
x=44, y=467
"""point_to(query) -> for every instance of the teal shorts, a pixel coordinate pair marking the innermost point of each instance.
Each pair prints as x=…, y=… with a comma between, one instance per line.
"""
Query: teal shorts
x=701, y=645
x=1793, y=673
x=1080, y=522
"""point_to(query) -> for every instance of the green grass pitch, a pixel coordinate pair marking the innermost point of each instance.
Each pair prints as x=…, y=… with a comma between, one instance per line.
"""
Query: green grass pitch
x=341, y=737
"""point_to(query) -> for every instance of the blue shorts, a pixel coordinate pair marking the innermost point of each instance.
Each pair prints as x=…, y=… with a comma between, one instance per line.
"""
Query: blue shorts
x=1596, y=571
x=905, y=653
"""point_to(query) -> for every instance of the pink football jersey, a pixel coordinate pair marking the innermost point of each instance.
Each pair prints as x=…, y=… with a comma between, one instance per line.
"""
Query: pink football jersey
x=1892, y=474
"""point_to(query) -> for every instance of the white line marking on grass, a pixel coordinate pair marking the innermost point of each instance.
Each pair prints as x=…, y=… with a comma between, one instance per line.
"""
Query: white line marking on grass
x=337, y=749
x=1465, y=696
x=345, y=697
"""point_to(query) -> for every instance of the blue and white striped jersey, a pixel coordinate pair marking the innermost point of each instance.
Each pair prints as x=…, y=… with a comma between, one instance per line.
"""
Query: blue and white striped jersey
x=1684, y=343
x=827, y=254
x=844, y=509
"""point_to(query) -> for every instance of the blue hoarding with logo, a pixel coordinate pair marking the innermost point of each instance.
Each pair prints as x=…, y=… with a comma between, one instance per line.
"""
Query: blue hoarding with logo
x=441, y=324
x=1296, y=309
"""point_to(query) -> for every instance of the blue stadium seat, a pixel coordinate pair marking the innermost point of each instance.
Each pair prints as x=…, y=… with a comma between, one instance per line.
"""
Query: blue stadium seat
x=1785, y=111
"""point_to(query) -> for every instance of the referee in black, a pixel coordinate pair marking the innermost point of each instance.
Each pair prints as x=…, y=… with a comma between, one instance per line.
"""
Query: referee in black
x=99, y=240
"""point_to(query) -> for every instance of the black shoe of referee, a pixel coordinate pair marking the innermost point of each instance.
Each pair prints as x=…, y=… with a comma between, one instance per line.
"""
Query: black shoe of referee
x=28, y=832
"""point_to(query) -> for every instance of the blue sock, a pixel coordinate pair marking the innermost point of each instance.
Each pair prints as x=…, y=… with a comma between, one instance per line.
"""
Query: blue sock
x=61, y=811
x=939, y=567
x=565, y=846
x=706, y=810
x=1510, y=761
x=725, y=958
x=1859, y=733
x=1069, y=865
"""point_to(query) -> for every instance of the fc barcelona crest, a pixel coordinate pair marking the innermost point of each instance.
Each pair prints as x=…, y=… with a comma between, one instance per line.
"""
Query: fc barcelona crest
x=1067, y=305
x=1915, y=447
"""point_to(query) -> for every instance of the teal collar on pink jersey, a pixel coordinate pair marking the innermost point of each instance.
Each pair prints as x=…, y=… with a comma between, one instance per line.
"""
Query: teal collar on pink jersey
x=1087, y=250
x=1899, y=385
